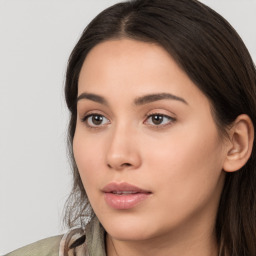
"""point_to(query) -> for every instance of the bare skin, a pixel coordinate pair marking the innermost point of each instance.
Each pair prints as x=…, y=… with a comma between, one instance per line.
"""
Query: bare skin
x=142, y=121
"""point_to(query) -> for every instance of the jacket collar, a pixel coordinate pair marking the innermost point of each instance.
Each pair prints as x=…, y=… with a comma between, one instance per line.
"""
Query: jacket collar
x=88, y=242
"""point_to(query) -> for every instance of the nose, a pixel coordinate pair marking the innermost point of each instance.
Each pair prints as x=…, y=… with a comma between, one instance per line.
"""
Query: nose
x=123, y=151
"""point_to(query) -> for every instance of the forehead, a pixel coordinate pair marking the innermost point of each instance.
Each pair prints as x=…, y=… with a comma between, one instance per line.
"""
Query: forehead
x=123, y=55
x=127, y=65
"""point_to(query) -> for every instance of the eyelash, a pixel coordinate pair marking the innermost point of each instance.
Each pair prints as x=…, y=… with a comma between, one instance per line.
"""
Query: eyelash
x=170, y=120
x=85, y=120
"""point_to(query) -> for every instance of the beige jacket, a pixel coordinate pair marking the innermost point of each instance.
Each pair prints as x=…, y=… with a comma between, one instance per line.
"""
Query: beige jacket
x=76, y=242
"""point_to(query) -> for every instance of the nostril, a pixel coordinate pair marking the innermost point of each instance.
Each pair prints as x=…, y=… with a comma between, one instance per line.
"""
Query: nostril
x=120, y=166
x=126, y=164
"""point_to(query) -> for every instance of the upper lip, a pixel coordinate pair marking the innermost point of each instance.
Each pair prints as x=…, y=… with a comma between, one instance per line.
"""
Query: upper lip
x=122, y=187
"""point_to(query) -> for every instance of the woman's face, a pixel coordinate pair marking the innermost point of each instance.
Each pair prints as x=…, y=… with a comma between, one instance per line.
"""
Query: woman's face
x=146, y=146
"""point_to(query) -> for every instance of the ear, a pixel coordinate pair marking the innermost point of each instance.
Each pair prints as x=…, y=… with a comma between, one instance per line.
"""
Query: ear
x=239, y=148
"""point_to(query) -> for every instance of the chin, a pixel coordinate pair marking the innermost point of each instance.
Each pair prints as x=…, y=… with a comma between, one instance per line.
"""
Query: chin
x=129, y=234
x=129, y=228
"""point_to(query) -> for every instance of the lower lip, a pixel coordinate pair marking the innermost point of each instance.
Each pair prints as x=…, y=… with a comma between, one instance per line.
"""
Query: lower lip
x=123, y=202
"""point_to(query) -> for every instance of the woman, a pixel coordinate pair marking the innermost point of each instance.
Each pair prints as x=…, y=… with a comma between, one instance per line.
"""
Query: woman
x=162, y=100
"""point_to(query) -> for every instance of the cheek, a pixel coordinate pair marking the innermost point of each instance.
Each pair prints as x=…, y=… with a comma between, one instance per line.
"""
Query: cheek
x=185, y=168
x=87, y=158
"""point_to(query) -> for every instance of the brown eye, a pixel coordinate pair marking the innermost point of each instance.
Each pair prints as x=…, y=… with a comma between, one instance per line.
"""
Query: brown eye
x=95, y=120
x=159, y=120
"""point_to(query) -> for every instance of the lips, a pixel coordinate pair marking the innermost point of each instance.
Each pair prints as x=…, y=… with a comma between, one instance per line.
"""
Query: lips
x=124, y=196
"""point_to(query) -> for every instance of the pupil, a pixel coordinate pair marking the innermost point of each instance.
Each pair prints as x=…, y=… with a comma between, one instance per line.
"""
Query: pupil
x=157, y=119
x=97, y=119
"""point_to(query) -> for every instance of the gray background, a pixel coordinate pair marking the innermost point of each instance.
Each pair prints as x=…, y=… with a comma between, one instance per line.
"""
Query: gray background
x=36, y=38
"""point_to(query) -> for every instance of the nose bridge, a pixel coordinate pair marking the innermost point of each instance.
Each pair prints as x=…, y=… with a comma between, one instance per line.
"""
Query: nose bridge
x=123, y=151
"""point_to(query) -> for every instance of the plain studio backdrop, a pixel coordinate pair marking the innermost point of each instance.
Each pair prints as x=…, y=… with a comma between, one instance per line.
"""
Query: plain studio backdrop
x=36, y=38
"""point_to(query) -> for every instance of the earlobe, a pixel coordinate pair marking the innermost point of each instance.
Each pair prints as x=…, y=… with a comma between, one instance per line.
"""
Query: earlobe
x=241, y=142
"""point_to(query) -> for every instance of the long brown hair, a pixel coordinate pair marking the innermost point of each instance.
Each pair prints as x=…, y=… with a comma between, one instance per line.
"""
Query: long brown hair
x=213, y=55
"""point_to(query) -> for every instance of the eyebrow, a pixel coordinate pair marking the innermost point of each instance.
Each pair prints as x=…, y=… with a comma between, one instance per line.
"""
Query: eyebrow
x=138, y=101
x=158, y=96
x=92, y=97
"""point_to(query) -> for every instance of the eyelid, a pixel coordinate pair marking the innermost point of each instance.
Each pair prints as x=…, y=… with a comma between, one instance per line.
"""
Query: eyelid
x=170, y=122
x=84, y=114
x=85, y=118
x=170, y=119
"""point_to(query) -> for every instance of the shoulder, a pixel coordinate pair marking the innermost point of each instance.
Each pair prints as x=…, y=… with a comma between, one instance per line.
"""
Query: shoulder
x=76, y=242
x=46, y=247
x=70, y=244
